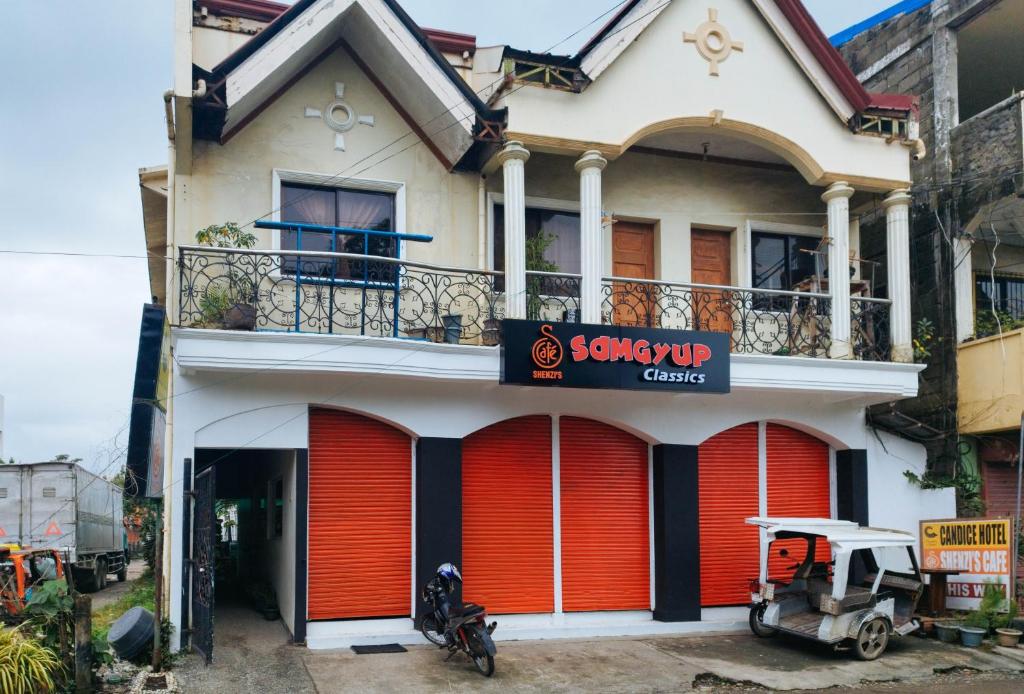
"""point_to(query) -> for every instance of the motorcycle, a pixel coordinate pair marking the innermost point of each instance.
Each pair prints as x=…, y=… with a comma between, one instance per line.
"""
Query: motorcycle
x=457, y=627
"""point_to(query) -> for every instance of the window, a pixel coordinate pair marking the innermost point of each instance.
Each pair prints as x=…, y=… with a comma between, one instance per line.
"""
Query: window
x=781, y=261
x=338, y=207
x=562, y=228
x=1006, y=295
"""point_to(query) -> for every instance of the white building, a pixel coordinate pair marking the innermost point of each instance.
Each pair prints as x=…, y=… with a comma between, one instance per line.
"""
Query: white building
x=689, y=169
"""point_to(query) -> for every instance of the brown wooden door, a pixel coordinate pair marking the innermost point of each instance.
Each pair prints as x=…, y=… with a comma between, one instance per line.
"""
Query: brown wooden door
x=711, y=263
x=633, y=256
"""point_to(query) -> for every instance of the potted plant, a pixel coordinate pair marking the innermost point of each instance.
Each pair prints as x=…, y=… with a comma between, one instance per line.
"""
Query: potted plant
x=974, y=629
x=1006, y=634
x=232, y=305
x=948, y=631
x=264, y=599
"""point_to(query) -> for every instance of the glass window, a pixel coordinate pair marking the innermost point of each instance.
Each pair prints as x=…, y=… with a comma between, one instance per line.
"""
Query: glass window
x=1006, y=293
x=560, y=252
x=782, y=261
x=339, y=207
x=894, y=560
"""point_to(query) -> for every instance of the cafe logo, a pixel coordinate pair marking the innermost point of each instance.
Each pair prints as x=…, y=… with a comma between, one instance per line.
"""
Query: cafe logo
x=547, y=354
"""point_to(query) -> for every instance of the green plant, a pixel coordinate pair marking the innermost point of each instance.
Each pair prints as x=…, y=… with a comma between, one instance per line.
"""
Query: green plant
x=924, y=336
x=1004, y=620
x=977, y=619
x=50, y=614
x=26, y=665
x=994, y=322
x=226, y=235
x=536, y=247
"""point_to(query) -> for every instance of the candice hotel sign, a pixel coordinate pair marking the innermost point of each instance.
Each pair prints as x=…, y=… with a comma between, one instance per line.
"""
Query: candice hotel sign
x=537, y=353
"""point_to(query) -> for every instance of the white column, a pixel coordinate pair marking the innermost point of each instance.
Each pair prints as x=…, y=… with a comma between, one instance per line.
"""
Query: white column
x=963, y=285
x=590, y=166
x=513, y=161
x=897, y=229
x=838, y=199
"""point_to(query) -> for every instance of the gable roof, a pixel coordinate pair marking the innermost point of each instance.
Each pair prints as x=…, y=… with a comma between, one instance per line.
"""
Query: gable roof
x=634, y=17
x=286, y=49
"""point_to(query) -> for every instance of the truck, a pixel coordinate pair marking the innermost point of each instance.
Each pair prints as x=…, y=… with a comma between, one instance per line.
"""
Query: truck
x=63, y=506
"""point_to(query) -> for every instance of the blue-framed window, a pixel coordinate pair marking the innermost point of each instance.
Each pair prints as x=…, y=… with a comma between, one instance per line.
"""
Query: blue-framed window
x=338, y=207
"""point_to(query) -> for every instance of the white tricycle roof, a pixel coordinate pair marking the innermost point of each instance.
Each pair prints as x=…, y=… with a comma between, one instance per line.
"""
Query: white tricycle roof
x=846, y=535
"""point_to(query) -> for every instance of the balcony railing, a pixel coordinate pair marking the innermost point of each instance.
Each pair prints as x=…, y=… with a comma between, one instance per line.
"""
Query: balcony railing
x=338, y=293
x=759, y=321
x=354, y=294
x=869, y=328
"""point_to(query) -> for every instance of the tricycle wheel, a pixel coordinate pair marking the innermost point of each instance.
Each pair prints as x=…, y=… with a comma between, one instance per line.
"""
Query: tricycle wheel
x=759, y=627
x=872, y=639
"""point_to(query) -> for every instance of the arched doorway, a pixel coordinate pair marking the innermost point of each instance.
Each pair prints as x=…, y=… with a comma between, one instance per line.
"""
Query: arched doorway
x=360, y=517
x=507, y=511
x=605, y=516
x=749, y=470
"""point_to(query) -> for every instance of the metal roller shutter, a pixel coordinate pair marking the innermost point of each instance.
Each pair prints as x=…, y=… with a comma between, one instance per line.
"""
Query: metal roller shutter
x=360, y=517
x=798, y=487
x=728, y=495
x=605, y=528
x=507, y=547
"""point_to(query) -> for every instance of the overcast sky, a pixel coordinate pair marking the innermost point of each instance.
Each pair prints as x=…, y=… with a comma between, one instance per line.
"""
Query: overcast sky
x=81, y=113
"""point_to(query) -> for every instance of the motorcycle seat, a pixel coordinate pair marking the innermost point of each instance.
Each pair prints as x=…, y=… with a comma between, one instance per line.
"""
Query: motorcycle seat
x=468, y=609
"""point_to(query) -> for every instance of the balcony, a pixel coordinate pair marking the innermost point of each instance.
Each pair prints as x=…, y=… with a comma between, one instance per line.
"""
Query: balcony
x=990, y=390
x=359, y=295
x=990, y=142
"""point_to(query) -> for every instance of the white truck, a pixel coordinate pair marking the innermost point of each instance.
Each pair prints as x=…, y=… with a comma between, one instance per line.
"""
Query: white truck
x=61, y=505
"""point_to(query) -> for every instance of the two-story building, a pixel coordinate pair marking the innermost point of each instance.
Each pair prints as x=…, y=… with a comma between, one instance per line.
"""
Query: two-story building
x=693, y=171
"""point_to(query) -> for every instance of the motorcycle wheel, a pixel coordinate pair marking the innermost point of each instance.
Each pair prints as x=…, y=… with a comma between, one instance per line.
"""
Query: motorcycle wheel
x=483, y=660
x=431, y=632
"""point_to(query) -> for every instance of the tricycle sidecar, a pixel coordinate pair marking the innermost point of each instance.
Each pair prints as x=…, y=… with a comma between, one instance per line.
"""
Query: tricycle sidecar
x=835, y=582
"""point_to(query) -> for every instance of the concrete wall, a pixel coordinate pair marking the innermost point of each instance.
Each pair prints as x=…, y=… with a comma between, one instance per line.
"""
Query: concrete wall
x=281, y=550
x=991, y=392
x=893, y=501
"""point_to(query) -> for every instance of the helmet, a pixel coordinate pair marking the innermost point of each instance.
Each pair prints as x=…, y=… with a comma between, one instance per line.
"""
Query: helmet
x=449, y=574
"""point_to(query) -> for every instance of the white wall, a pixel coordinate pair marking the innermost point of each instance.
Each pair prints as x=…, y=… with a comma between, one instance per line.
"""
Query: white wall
x=893, y=501
x=280, y=551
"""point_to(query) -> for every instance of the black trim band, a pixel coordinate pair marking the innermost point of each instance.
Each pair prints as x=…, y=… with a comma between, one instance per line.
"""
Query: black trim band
x=676, y=534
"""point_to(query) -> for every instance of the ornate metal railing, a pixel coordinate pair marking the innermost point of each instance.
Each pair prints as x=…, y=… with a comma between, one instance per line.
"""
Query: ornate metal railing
x=340, y=293
x=869, y=328
x=759, y=321
x=552, y=296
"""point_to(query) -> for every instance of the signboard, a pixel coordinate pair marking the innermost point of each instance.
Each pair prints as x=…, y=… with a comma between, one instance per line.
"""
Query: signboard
x=979, y=549
x=149, y=405
x=570, y=355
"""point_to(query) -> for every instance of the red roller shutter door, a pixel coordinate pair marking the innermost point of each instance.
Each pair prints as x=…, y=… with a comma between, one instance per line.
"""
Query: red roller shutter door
x=605, y=529
x=799, y=486
x=728, y=495
x=360, y=517
x=507, y=546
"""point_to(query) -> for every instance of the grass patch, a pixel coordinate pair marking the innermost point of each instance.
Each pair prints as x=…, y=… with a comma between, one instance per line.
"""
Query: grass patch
x=141, y=594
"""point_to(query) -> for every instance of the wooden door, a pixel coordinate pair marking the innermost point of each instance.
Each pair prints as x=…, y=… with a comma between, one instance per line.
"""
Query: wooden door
x=711, y=263
x=633, y=256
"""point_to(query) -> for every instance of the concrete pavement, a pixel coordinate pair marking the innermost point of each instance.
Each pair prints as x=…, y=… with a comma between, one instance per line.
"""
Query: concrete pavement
x=252, y=656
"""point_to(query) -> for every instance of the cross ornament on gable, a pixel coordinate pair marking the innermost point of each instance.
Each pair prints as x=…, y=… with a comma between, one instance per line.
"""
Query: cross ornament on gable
x=714, y=42
x=339, y=116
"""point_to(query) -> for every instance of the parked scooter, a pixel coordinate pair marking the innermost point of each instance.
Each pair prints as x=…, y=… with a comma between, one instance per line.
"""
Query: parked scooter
x=457, y=627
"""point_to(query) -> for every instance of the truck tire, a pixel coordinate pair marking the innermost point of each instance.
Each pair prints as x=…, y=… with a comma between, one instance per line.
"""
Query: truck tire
x=87, y=580
x=101, y=572
x=122, y=573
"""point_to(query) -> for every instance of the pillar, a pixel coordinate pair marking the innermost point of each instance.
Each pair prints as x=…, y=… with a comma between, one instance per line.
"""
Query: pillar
x=513, y=162
x=852, y=485
x=676, y=534
x=963, y=287
x=897, y=228
x=438, y=510
x=837, y=197
x=589, y=167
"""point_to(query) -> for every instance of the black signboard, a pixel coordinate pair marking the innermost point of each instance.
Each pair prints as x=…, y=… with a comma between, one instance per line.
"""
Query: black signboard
x=538, y=353
x=149, y=403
